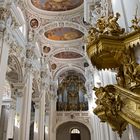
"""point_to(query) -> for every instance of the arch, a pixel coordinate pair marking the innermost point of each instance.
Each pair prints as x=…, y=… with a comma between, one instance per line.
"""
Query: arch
x=67, y=126
x=67, y=68
x=14, y=67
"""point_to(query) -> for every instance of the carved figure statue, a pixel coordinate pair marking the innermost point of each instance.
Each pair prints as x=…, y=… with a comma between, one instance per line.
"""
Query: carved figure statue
x=91, y=35
x=136, y=73
x=105, y=25
x=120, y=77
x=131, y=70
x=108, y=106
x=101, y=25
x=4, y=13
x=113, y=26
x=108, y=100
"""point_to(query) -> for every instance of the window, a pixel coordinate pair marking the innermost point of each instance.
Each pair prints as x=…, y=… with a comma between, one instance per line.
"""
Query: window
x=75, y=131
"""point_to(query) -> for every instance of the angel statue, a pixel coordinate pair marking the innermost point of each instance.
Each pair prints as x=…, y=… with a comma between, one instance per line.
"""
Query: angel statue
x=113, y=26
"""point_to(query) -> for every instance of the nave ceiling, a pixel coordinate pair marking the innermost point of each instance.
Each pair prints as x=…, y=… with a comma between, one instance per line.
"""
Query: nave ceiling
x=58, y=29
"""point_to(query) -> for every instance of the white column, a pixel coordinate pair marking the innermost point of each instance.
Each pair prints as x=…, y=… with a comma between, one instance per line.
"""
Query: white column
x=26, y=108
x=134, y=133
x=52, y=118
x=107, y=77
x=53, y=96
x=47, y=126
x=18, y=113
x=3, y=66
x=4, y=49
x=41, y=120
x=137, y=54
x=11, y=121
x=127, y=10
x=130, y=10
x=36, y=121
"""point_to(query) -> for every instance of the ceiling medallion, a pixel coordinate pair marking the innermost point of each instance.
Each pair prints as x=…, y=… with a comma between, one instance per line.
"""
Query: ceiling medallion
x=53, y=66
x=34, y=23
x=46, y=49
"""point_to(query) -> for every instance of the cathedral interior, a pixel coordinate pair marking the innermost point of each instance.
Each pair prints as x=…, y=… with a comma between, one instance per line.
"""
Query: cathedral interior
x=70, y=70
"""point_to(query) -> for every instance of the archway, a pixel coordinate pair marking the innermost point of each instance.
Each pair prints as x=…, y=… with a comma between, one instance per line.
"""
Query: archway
x=73, y=131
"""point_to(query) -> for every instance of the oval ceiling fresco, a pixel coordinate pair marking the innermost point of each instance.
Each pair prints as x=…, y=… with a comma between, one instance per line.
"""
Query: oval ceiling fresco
x=56, y=5
x=67, y=55
x=63, y=34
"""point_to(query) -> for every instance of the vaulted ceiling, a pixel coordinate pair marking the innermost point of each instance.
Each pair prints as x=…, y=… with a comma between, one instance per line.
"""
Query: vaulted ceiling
x=59, y=31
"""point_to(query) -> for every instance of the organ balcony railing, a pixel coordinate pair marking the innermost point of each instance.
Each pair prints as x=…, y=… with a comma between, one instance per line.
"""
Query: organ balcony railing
x=108, y=46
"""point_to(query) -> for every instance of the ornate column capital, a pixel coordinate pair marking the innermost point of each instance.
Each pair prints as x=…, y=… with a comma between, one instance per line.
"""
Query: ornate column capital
x=53, y=96
x=11, y=106
x=29, y=62
x=18, y=92
x=44, y=78
x=18, y=89
x=4, y=14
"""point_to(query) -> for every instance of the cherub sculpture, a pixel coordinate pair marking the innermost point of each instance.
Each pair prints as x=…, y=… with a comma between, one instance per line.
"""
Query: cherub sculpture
x=91, y=35
x=101, y=25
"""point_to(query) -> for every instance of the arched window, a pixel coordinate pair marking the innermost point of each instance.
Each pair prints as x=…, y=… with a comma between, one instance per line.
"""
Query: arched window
x=75, y=131
x=75, y=134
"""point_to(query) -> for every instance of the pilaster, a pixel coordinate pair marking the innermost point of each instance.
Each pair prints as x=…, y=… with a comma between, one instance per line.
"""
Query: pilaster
x=11, y=121
x=26, y=107
x=53, y=97
x=18, y=92
x=4, y=48
x=36, y=120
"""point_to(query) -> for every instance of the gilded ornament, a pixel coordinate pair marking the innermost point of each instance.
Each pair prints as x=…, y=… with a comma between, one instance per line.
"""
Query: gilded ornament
x=108, y=106
x=113, y=26
x=135, y=22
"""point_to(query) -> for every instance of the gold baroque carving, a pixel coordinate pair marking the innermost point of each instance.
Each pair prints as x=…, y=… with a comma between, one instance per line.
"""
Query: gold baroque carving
x=108, y=47
x=108, y=106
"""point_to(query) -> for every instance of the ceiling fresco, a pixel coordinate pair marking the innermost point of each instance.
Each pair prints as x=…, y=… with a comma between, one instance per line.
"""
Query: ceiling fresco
x=56, y=5
x=68, y=55
x=63, y=33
